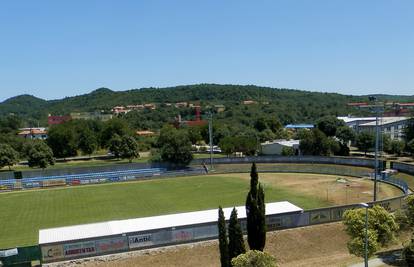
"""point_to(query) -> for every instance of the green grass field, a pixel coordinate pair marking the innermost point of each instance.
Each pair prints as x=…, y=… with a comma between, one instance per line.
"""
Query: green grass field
x=24, y=213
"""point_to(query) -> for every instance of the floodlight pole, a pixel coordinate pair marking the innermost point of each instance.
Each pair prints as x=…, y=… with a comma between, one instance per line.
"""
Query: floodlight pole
x=376, y=153
x=210, y=133
x=365, y=205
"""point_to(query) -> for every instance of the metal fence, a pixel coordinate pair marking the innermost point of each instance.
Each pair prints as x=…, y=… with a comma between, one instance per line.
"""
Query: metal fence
x=93, y=178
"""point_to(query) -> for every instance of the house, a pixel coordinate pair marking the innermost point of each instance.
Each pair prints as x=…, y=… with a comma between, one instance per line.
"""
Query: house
x=220, y=108
x=276, y=147
x=120, y=110
x=145, y=133
x=249, y=102
x=181, y=104
x=33, y=133
x=150, y=106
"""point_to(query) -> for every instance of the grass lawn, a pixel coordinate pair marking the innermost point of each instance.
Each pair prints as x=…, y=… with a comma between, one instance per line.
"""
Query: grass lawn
x=24, y=213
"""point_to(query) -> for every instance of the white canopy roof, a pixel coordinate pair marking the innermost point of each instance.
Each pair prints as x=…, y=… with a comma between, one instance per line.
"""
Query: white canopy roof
x=93, y=230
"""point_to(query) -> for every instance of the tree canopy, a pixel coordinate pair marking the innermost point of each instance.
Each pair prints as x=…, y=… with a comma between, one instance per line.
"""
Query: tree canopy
x=174, y=146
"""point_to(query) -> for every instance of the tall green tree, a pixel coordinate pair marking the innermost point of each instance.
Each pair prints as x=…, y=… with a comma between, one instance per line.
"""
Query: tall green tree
x=410, y=146
x=174, y=146
x=345, y=134
x=39, y=154
x=223, y=242
x=115, y=144
x=329, y=125
x=236, y=242
x=62, y=140
x=365, y=141
x=8, y=156
x=316, y=143
x=256, y=214
x=409, y=131
x=110, y=128
x=381, y=229
x=129, y=148
x=87, y=141
x=397, y=147
x=409, y=211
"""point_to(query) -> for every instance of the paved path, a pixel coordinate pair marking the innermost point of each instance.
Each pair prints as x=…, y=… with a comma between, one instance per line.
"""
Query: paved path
x=377, y=262
x=392, y=257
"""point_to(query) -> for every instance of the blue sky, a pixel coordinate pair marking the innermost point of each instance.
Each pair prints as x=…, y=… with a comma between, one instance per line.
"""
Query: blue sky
x=53, y=49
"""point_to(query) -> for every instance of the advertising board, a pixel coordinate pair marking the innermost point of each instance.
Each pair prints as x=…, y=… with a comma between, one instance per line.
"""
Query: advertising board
x=79, y=249
x=53, y=182
x=137, y=241
x=320, y=216
x=182, y=235
x=112, y=244
x=52, y=253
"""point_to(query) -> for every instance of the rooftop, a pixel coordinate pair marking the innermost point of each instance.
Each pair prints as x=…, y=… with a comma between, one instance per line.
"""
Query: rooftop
x=385, y=120
x=94, y=230
x=299, y=126
x=283, y=142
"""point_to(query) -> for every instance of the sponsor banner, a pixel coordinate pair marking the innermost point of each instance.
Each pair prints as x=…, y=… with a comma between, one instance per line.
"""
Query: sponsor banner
x=111, y=244
x=17, y=185
x=84, y=181
x=79, y=249
x=336, y=213
x=182, y=235
x=51, y=253
x=137, y=241
x=31, y=184
x=54, y=182
x=320, y=216
x=9, y=252
x=5, y=187
x=75, y=182
x=113, y=179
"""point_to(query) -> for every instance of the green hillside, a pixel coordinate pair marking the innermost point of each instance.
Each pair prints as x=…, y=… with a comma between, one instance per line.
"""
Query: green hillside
x=288, y=105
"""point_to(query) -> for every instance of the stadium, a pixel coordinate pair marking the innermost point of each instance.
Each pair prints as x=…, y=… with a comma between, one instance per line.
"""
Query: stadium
x=300, y=191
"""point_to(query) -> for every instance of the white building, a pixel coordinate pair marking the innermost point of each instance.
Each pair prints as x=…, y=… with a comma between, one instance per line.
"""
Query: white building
x=392, y=126
x=276, y=147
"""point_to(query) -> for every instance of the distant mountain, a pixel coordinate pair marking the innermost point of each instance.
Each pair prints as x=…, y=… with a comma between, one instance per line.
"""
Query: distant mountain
x=290, y=105
x=24, y=105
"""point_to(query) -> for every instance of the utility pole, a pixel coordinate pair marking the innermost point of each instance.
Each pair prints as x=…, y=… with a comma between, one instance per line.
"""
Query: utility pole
x=376, y=107
x=210, y=133
x=376, y=153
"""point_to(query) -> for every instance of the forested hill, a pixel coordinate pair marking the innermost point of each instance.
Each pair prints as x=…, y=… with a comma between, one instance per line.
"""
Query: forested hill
x=289, y=105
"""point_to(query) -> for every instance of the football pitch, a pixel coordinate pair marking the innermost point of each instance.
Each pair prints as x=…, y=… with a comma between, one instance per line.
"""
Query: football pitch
x=23, y=213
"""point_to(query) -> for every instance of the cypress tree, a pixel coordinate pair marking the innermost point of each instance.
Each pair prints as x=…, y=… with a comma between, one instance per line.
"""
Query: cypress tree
x=236, y=242
x=255, y=211
x=223, y=243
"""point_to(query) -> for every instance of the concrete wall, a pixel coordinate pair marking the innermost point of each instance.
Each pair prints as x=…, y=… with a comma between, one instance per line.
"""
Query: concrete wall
x=192, y=233
x=361, y=162
x=403, y=167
